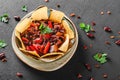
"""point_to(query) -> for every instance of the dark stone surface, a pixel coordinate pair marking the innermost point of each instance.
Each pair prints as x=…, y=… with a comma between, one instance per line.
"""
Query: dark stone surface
x=89, y=10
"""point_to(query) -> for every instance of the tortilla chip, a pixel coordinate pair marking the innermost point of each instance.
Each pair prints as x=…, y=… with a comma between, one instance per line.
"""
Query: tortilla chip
x=49, y=57
x=64, y=46
x=40, y=14
x=23, y=25
x=30, y=53
x=56, y=16
x=17, y=34
x=68, y=29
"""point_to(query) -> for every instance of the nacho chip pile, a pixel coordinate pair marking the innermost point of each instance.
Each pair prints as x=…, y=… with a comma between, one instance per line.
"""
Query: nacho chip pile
x=44, y=13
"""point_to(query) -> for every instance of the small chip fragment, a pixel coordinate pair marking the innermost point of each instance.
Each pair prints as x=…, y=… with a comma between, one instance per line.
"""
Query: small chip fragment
x=72, y=14
x=112, y=37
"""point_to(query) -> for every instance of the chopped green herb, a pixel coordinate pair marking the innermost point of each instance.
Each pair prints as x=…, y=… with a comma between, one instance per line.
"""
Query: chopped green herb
x=4, y=18
x=82, y=26
x=44, y=29
x=24, y=8
x=2, y=44
x=85, y=27
x=100, y=57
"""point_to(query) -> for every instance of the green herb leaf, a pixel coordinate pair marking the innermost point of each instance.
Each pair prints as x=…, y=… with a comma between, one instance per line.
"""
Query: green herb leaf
x=100, y=57
x=2, y=44
x=82, y=26
x=41, y=26
x=4, y=18
x=5, y=15
x=45, y=29
x=85, y=27
x=24, y=8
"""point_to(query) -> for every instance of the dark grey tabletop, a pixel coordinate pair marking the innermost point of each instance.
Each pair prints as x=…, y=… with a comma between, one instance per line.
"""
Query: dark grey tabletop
x=89, y=10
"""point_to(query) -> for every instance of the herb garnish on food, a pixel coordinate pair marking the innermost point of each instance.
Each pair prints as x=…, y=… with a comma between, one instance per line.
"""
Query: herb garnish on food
x=24, y=8
x=2, y=44
x=85, y=27
x=100, y=57
x=45, y=29
x=4, y=18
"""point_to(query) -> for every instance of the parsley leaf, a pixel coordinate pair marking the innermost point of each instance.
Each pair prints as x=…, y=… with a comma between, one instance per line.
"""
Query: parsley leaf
x=82, y=26
x=2, y=44
x=4, y=18
x=100, y=57
x=24, y=8
x=85, y=27
x=45, y=29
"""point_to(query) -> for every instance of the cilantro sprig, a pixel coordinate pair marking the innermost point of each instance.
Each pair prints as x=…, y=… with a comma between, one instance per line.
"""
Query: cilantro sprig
x=4, y=18
x=45, y=29
x=100, y=57
x=85, y=27
x=24, y=8
x=2, y=44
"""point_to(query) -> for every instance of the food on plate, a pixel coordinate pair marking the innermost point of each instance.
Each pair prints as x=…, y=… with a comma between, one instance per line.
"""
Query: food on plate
x=45, y=35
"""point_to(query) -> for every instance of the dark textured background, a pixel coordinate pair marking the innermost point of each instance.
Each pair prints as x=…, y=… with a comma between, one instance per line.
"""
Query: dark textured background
x=89, y=10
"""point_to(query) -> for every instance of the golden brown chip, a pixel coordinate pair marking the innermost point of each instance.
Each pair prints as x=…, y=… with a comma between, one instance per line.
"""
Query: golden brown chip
x=17, y=34
x=40, y=14
x=30, y=53
x=23, y=25
x=68, y=29
x=56, y=16
x=49, y=57
x=64, y=46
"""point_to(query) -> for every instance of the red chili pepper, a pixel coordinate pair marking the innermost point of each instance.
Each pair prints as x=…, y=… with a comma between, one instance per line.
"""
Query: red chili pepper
x=42, y=48
x=47, y=36
x=36, y=47
x=25, y=40
x=47, y=47
x=50, y=24
x=38, y=40
x=32, y=24
x=32, y=48
x=28, y=48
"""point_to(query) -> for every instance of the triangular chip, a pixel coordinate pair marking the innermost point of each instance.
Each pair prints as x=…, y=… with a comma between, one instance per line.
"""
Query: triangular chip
x=17, y=34
x=56, y=16
x=64, y=46
x=23, y=25
x=68, y=29
x=49, y=57
x=40, y=14
x=30, y=53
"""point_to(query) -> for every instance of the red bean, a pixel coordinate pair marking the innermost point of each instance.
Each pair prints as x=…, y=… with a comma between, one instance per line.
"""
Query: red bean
x=19, y=74
x=88, y=66
x=117, y=42
x=90, y=35
x=17, y=18
x=108, y=29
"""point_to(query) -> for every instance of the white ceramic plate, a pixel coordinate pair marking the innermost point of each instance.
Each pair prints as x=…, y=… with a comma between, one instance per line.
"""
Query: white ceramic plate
x=45, y=66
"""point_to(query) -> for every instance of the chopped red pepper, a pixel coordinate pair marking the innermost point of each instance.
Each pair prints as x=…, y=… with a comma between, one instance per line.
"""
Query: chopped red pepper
x=32, y=24
x=50, y=24
x=42, y=48
x=32, y=48
x=25, y=40
x=47, y=47
x=28, y=48
x=38, y=40
x=47, y=36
